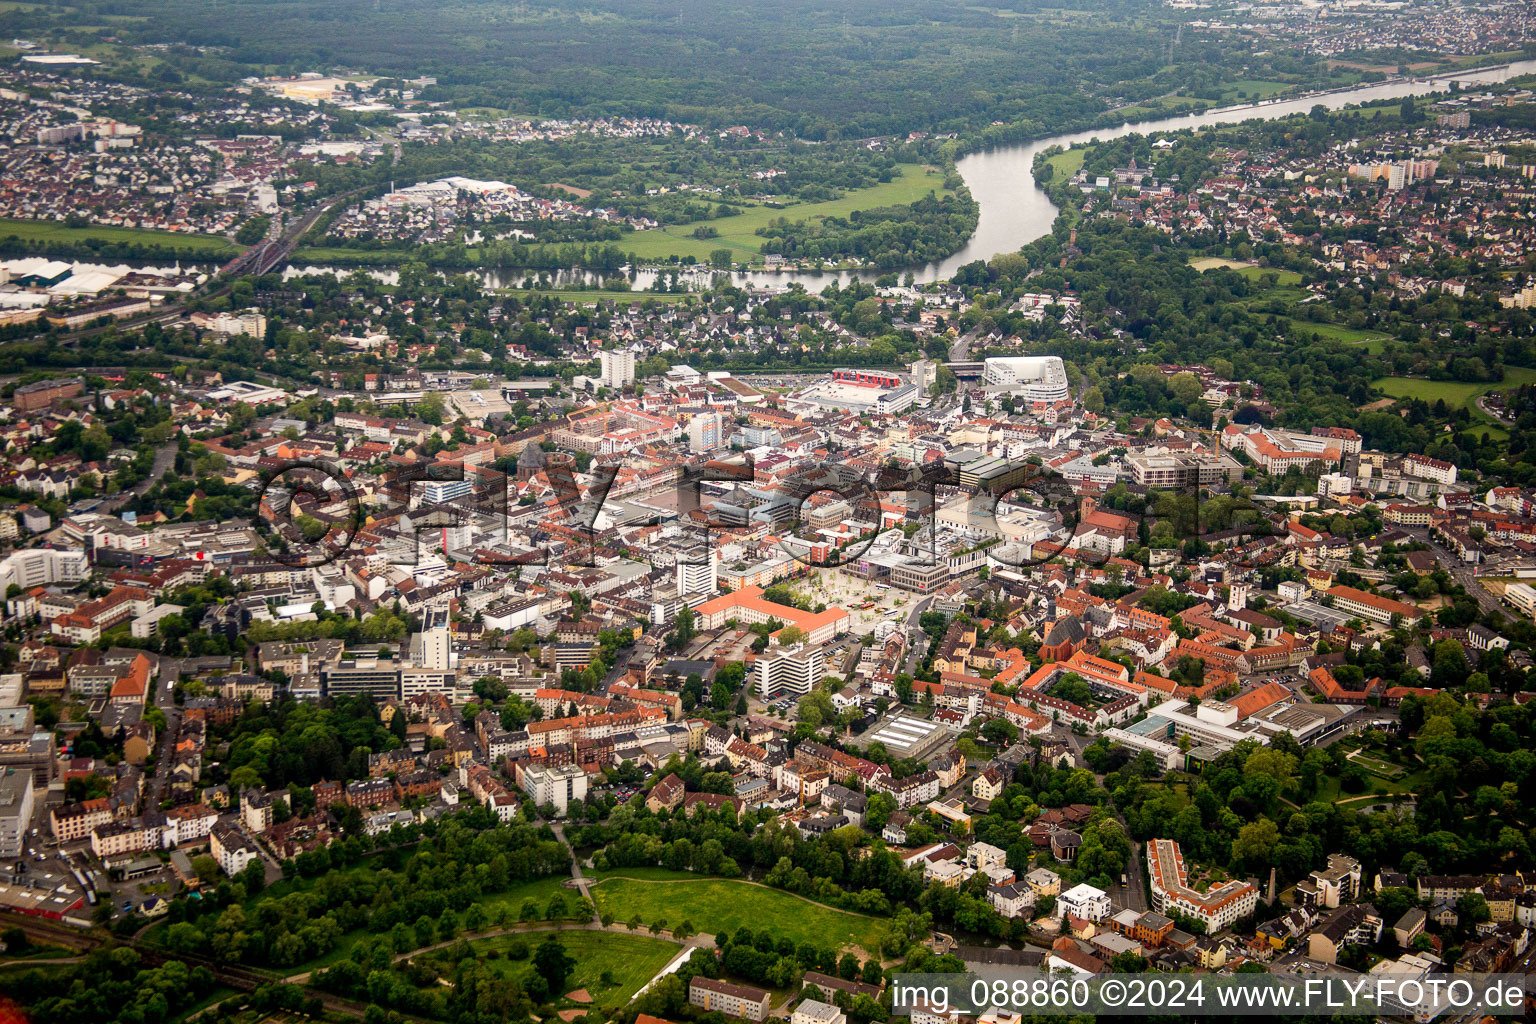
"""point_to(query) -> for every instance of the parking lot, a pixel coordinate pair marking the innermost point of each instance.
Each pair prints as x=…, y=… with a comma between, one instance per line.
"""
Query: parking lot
x=42, y=870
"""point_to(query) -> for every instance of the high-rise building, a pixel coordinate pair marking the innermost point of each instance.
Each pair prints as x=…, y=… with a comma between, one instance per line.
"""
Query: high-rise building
x=432, y=648
x=789, y=670
x=706, y=432
x=696, y=574
x=560, y=785
x=16, y=803
x=618, y=367
x=925, y=374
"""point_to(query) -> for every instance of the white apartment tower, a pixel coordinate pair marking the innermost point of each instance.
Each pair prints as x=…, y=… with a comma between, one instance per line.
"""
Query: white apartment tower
x=618, y=367
x=789, y=670
x=706, y=432
x=696, y=574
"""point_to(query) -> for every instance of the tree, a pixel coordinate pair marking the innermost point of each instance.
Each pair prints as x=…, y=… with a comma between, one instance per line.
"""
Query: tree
x=553, y=964
x=815, y=709
x=1186, y=387
x=1093, y=400
x=1256, y=842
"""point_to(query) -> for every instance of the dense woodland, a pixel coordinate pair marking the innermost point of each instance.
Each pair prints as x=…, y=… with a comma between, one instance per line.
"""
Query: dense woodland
x=822, y=71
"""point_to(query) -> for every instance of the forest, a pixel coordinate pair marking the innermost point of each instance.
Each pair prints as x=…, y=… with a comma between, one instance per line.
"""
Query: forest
x=823, y=71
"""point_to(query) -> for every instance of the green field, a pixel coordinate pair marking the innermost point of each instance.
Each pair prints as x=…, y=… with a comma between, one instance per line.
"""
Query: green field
x=1373, y=341
x=46, y=231
x=1246, y=90
x=539, y=890
x=1252, y=271
x=1377, y=767
x=717, y=904
x=738, y=233
x=1458, y=394
x=629, y=961
x=1067, y=162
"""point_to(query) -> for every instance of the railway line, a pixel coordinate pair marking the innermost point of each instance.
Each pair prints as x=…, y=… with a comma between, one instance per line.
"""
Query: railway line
x=234, y=976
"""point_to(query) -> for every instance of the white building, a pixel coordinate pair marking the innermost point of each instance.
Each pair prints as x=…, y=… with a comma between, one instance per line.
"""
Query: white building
x=618, y=367
x=1036, y=378
x=16, y=805
x=1426, y=468
x=1167, y=754
x=433, y=649
x=232, y=849
x=696, y=574
x=789, y=670
x=1084, y=901
x=1217, y=907
x=560, y=785
x=811, y=1011
x=1332, y=484
x=706, y=432
x=38, y=567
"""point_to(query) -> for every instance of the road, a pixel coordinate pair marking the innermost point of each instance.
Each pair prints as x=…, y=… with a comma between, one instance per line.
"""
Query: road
x=1500, y=417
x=165, y=456
x=1459, y=571
x=921, y=642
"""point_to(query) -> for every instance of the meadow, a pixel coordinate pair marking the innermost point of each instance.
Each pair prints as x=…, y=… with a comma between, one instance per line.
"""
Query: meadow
x=718, y=904
x=739, y=233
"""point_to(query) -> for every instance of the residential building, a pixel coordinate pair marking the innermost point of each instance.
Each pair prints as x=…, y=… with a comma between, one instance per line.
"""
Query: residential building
x=1218, y=907
x=742, y=1001
x=16, y=805
x=232, y=849
x=560, y=785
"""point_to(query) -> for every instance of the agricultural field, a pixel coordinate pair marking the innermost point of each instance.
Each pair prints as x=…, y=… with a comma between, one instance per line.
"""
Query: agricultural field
x=719, y=904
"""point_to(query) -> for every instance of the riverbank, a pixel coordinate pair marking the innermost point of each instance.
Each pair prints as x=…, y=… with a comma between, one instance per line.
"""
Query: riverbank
x=1014, y=210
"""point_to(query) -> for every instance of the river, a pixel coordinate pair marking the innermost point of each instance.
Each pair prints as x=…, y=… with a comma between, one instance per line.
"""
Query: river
x=1015, y=211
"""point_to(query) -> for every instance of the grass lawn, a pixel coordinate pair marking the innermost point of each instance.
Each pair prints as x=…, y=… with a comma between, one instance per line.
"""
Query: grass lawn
x=1376, y=766
x=539, y=890
x=1377, y=790
x=1067, y=162
x=629, y=961
x=738, y=233
x=1252, y=271
x=48, y=231
x=1458, y=394
x=1246, y=90
x=719, y=904
x=1371, y=340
